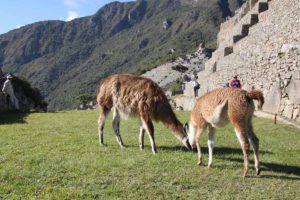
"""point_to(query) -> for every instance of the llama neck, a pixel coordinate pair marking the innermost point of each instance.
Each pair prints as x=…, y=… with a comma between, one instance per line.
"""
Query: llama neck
x=165, y=114
x=173, y=124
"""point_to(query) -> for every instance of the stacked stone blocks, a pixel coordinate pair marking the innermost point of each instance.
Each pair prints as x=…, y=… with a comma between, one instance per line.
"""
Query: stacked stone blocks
x=267, y=58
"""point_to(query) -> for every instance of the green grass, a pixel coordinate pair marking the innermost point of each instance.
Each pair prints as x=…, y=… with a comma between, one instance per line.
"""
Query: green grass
x=57, y=156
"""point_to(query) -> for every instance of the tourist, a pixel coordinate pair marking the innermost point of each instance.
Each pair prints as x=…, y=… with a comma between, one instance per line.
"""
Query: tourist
x=235, y=83
x=196, y=86
x=8, y=91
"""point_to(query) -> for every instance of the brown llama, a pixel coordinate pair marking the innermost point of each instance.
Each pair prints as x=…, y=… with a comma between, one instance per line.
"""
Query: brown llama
x=215, y=109
x=130, y=95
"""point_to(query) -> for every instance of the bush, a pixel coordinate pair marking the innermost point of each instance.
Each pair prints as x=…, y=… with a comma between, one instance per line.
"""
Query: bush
x=176, y=87
x=84, y=99
x=22, y=86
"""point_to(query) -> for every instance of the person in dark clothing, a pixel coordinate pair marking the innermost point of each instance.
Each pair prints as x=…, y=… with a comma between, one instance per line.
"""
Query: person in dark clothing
x=196, y=87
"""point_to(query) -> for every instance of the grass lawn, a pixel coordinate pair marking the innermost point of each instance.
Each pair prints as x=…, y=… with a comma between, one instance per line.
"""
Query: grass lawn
x=57, y=156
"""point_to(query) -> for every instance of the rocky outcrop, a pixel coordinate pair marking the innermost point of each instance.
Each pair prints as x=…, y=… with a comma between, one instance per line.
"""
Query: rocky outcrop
x=28, y=98
x=182, y=67
x=2, y=98
x=261, y=45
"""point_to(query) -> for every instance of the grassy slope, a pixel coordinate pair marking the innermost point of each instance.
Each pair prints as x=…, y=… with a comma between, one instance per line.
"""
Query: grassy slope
x=57, y=156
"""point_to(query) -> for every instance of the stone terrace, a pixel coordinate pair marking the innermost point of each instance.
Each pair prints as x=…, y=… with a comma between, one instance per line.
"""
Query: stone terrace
x=265, y=57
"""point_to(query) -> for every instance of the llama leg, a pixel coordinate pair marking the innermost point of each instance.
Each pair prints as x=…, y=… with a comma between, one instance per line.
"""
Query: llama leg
x=147, y=123
x=191, y=135
x=101, y=123
x=141, y=137
x=241, y=134
x=199, y=132
x=255, y=143
x=210, y=143
x=116, y=127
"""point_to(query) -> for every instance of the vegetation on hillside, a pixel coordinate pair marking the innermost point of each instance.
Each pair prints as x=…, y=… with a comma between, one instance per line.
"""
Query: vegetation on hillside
x=66, y=59
x=176, y=87
x=58, y=156
x=22, y=86
x=85, y=99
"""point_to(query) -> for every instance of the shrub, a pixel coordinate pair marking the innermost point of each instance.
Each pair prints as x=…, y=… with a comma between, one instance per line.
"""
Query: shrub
x=85, y=98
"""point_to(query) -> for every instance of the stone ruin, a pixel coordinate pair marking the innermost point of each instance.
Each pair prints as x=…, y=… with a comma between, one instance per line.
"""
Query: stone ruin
x=29, y=98
x=261, y=45
x=183, y=68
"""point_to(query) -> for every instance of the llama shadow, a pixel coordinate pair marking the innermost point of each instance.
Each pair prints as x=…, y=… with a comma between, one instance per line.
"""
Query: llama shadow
x=12, y=117
x=275, y=167
x=277, y=177
x=172, y=148
x=272, y=167
x=204, y=150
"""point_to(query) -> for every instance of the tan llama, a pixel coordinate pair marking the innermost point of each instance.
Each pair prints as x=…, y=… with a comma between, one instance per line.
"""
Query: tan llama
x=130, y=95
x=215, y=109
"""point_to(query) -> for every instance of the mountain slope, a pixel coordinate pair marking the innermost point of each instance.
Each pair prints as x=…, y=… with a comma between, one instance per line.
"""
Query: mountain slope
x=65, y=59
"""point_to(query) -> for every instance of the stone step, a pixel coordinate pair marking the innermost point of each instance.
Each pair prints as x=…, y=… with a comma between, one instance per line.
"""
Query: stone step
x=253, y=19
x=244, y=33
x=263, y=5
x=228, y=50
x=245, y=30
x=237, y=38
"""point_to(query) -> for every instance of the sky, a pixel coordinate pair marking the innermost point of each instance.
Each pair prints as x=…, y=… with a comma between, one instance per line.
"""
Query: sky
x=17, y=13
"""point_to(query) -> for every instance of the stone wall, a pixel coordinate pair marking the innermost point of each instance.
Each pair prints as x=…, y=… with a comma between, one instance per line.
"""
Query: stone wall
x=185, y=103
x=265, y=54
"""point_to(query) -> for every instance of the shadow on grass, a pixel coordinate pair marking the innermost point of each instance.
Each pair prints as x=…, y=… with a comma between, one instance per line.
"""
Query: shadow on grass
x=274, y=167
x=12, y=117
x=277, y=177
x=204, y=150
x=172, y=148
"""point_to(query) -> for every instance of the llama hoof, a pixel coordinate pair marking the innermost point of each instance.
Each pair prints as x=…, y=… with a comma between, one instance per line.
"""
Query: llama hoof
x=209, y=166
x=199, y=163
x=154, y=151
x=258, y=171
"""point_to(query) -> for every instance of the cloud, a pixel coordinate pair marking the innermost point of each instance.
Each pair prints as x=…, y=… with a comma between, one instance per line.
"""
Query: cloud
x=72, y=3
x=72, y=15
x=19, y=26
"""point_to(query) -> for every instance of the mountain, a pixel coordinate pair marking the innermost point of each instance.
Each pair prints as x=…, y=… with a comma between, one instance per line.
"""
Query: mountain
x=65, y=59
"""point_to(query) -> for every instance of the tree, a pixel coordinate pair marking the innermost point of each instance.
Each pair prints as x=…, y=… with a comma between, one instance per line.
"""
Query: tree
x=84, y=99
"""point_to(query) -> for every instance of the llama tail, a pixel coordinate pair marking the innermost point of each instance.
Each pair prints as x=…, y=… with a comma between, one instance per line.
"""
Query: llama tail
x=257, y=95
x=100, y=93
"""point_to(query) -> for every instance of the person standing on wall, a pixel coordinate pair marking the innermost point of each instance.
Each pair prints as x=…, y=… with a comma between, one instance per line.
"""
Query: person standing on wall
x=235, y=82
x=8, y=91
x=196, y=86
